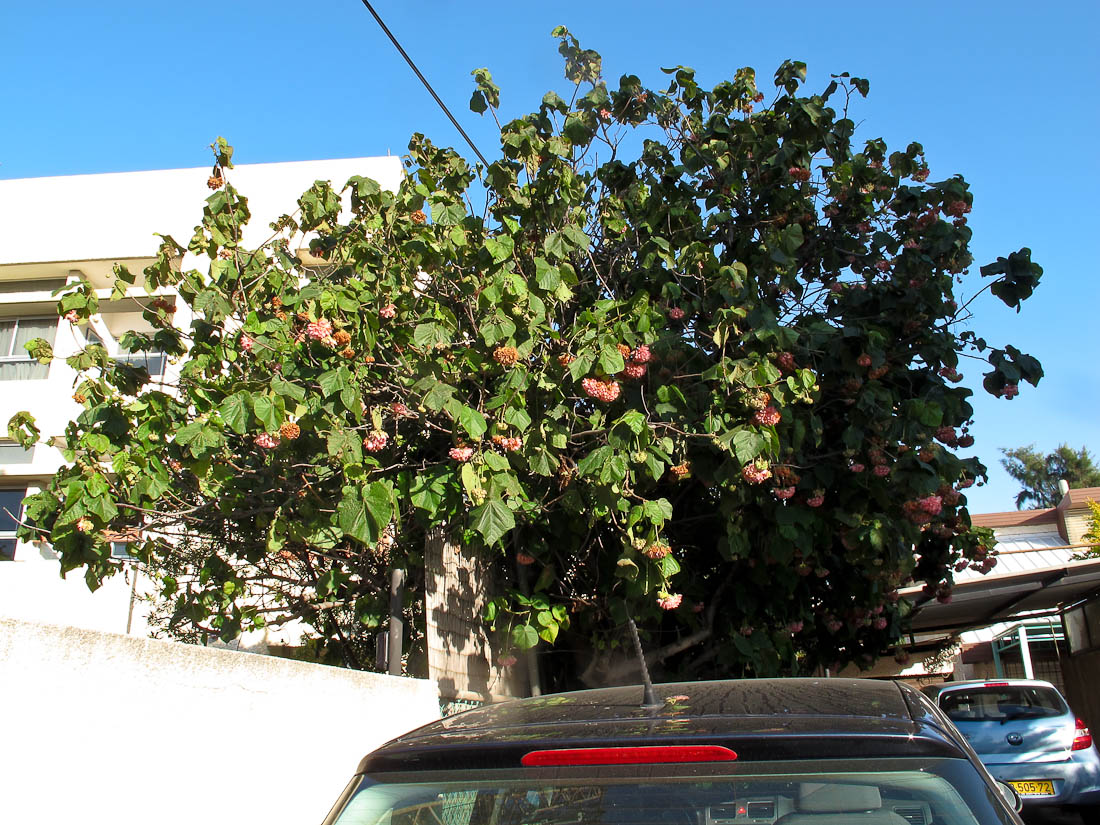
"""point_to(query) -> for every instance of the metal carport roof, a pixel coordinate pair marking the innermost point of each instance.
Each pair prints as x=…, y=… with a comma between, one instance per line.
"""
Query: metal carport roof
x=998, y=597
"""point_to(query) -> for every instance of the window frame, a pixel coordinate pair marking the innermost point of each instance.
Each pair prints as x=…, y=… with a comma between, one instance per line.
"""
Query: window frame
x=10, y=535
x=26, y=358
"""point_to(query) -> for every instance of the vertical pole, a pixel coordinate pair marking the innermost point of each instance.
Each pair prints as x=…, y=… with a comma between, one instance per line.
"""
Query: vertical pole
x=397, y=602
x=530, y=658
x=997, y=667
x=1025, y=653
x=133, y=598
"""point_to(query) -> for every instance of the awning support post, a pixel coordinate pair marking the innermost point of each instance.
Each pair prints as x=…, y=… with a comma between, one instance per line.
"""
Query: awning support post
x=1025, y=653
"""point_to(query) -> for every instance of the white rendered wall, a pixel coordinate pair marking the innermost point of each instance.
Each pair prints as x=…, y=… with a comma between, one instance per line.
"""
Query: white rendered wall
x=115, y=216
x=117, y=730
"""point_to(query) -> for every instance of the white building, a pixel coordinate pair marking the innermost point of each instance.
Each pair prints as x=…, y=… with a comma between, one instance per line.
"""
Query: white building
x=57, y=230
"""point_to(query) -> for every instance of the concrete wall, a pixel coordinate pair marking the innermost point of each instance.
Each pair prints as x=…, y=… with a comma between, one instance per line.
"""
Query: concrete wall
x=101, y=727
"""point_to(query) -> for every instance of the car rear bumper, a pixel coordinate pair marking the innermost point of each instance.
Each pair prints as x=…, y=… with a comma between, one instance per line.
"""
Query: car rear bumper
x=1076, y=781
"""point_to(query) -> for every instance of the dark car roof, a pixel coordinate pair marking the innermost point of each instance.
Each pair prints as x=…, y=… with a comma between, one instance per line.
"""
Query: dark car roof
x=761, y=719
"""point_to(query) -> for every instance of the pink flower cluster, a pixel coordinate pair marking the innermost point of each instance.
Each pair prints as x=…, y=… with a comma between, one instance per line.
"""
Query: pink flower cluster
x=320, y=329
x=509, y=443
x=795, y=627
x=931, y=505
x=657, y=551
x=881, y=470
x=247, y=343
x=72, y=316
x=785, y=360
x=641, y=355
x=799, y=174
x=375, y=441
x=267, y=441
x=784, y=493
x=767, y=417
x=524, y=558
x=388, y=311
x=601, y=390
x=816, y=500
x=671, y=601
x=676, y=314
x=461, y=453
x=947, y=435
x=633, y=370
x=755, y=473
x=856, y=467
x=401, y=410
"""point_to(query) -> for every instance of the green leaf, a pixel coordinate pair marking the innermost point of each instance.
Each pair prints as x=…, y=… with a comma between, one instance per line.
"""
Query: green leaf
x=267, y=412
x=524, y=636
x=428, y=335
x=287, y=390
x=379, y=500
x=746, y=444
x=235, y=412
x=626, y=568
x=448, y=214
x=547, y=276
x=200, y=437
x=333, y=381
x=611, y=360
x=493, y=520
x=592, y=462
x=352, y=517
x=22, y=428
x=472, y=421
x=500, y=248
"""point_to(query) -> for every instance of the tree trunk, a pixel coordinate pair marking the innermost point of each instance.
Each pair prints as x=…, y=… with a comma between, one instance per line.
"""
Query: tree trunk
x=461, y=656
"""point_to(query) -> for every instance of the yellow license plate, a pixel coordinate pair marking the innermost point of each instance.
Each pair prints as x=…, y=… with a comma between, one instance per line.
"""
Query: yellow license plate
x=1032, y=788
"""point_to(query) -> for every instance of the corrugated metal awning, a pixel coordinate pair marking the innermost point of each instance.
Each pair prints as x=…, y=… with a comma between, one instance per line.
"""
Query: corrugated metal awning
x=996, y=597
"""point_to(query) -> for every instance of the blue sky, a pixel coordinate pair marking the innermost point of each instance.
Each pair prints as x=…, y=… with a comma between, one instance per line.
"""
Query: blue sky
x=1005, y=93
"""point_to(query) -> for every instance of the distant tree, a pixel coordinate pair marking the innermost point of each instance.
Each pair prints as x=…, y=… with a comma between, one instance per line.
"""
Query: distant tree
x=1092, y=535
x=1039, y=474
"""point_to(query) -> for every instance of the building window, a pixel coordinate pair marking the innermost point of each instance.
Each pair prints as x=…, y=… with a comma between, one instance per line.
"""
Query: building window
x=11, y=507
x=120, y=550
x=153, y=361
x=16, y=363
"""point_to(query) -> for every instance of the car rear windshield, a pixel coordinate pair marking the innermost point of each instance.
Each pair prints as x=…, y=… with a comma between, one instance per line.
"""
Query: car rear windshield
x=1002, y=703
x=878, y=792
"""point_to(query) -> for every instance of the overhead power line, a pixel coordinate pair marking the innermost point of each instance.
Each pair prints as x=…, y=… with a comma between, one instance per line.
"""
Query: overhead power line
x=424, y=80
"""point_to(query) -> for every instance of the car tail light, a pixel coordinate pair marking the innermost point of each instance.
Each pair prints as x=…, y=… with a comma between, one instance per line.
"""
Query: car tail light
x=627, y=756
x=996, y=684
x=1081, y=737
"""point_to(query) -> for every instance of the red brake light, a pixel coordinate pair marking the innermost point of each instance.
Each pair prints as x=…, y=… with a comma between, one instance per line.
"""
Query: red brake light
x=1081, y=737
x=627, y=756
x=996, y=684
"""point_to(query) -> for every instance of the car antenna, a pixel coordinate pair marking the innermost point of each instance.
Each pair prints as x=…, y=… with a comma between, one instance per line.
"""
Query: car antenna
x=649, y=698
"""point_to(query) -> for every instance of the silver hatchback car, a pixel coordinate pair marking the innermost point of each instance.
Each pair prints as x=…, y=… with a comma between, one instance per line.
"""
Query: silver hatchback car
x=1026, y=735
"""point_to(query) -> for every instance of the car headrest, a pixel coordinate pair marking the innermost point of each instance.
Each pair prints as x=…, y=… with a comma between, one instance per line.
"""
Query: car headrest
x=818, y=797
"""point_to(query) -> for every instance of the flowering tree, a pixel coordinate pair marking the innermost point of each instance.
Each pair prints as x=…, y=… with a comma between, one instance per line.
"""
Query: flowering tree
x=712, y=386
